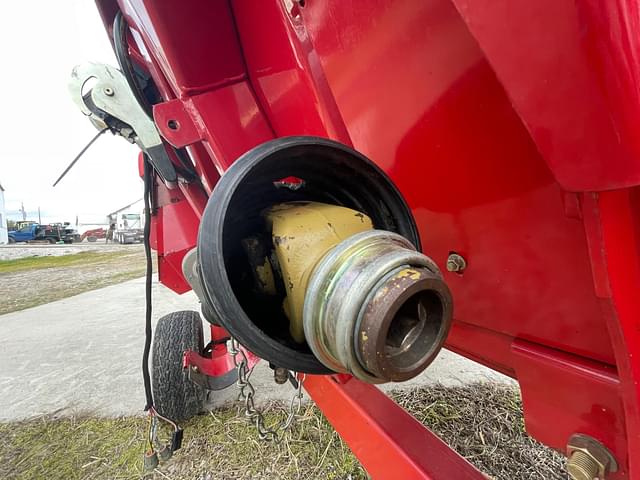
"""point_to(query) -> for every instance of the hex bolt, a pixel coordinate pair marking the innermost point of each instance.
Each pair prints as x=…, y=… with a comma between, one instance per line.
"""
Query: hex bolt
x=280, y=375
x=588, y=459
x=456, y=263
x=108, y=91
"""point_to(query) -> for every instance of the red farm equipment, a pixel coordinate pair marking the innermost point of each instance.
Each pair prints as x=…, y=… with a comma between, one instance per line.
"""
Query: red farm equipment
x=350, y=186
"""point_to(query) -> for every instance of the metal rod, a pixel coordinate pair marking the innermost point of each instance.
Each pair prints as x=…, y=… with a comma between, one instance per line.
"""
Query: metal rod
x=73, y=162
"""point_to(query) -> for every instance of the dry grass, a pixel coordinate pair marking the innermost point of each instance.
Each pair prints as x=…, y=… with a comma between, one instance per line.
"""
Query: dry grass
x=31, y=281
x=483, y=422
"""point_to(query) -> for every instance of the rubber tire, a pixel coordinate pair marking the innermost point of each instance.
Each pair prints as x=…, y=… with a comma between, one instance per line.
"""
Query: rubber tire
x=174, y=395
x=12, y=240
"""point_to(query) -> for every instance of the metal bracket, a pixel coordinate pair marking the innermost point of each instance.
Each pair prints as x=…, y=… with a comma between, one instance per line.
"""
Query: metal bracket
x=102, y=93
x=214, y=383
x=214, y=373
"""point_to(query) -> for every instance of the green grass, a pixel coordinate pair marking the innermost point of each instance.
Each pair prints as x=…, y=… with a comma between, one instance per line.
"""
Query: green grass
x=483, y=422
x=221, y=443
x=61, y=261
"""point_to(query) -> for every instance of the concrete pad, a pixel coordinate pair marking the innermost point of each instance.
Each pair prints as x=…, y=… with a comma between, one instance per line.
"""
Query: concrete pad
x=83, y=354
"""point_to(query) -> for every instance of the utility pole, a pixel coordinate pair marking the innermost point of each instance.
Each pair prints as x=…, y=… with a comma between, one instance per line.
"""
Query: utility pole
x=39, y=218
x=24, y=214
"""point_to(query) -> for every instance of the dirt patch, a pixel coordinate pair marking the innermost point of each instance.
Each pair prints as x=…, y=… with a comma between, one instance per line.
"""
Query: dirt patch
x=482, y=421
x=30, y=281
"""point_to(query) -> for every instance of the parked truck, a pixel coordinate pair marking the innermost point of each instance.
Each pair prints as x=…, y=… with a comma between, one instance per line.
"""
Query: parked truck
x=128, y=228
x=33, y=232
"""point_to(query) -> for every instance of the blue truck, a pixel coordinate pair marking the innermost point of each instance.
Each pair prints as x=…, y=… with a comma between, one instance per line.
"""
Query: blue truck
x=53, y=233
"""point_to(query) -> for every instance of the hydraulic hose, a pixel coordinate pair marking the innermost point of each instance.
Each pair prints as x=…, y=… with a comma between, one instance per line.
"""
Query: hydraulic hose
x=148, y=178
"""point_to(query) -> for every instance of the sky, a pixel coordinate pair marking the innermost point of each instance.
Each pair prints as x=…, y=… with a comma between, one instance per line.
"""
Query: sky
x=41, y=128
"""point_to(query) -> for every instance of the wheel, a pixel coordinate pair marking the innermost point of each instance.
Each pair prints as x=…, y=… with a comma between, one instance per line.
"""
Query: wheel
x=92, y=239
x=12, y=240
x=51, y=240
x=175, y=396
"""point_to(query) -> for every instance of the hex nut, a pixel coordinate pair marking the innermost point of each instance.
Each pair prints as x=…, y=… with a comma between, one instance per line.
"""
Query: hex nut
x=588, y=458
x=581, y=465
x=280, y=375
x=456, y=263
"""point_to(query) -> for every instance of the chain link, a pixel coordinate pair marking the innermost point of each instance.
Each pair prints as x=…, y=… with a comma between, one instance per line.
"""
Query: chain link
x=247, y=393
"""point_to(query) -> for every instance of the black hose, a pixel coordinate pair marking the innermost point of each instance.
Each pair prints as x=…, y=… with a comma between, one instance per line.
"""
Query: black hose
x=121, y=47
x=148, y=179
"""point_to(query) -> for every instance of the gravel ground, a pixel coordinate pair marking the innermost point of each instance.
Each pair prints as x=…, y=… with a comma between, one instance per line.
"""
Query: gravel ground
x=25, y=288
x=23, y=250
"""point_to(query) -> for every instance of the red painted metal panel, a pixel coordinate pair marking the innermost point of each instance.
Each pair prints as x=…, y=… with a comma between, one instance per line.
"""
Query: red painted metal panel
x=230, y=121
x=424, y=104
x=227, y=121
x=176, y=233
x=287, y=77
x=195, y=47
x=564, y=394
x=619, y=215
x=388, y=441
x=571, y=70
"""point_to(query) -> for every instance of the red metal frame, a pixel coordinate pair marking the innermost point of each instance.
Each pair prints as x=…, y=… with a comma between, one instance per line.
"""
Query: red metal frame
x=220, y=362
x=388, y=441
x=509, y=127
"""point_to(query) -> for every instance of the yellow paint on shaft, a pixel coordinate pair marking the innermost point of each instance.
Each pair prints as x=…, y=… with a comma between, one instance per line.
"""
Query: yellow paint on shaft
x=265, y=275
x=408, y=272
x=303, y=232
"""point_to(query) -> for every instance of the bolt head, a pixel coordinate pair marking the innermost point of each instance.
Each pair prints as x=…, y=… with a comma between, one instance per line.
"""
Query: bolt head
x=280, y=375
x=108, y=91
x=456, y=263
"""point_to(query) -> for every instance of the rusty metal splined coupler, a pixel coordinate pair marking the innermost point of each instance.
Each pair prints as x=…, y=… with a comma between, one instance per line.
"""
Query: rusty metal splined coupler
x=377, y=308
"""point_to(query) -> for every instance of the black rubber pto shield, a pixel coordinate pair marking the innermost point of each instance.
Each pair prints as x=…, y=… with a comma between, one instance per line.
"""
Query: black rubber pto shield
x=332, y=173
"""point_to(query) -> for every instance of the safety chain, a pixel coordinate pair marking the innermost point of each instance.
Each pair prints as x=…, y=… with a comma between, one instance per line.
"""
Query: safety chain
x=247, y=392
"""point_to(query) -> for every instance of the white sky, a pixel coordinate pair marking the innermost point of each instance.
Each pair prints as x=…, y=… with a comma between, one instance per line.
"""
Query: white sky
x=41, y=128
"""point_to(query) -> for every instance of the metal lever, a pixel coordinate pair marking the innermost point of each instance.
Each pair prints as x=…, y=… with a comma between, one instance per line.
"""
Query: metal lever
x=110, y=103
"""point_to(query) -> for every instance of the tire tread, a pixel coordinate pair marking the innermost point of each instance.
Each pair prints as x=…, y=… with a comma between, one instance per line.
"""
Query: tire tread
x=175, y=396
